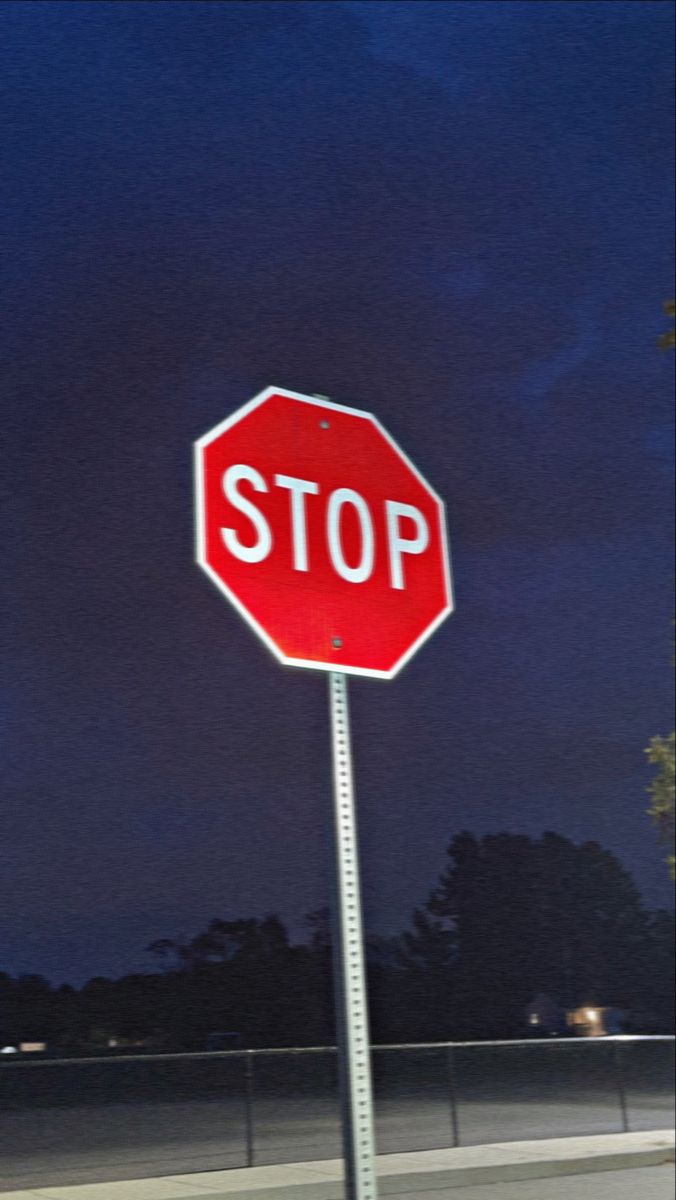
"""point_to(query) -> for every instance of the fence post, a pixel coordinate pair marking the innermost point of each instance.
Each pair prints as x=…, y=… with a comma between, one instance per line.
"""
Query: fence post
x=248, y=1106
x=621, y=1090
x=453, y=1095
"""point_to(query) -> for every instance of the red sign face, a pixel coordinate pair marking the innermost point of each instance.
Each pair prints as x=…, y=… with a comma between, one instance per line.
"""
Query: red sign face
x=323, y=535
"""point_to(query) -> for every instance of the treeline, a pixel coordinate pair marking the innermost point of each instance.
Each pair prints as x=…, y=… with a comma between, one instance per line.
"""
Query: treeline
x=511, y=918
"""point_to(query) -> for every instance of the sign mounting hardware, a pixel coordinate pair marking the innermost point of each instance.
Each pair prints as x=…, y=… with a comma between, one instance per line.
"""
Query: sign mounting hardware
x=305, y=534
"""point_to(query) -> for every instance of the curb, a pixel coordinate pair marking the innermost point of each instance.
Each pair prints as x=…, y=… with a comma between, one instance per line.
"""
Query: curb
x=414, y=1172
x=404, y=1177
x=528, y=1161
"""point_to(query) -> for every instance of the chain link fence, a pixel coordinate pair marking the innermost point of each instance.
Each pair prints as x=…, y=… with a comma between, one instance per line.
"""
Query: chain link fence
x=69, y=1121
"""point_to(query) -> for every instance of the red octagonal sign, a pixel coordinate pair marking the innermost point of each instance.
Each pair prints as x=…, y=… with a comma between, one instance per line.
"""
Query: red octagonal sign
x=322, y=533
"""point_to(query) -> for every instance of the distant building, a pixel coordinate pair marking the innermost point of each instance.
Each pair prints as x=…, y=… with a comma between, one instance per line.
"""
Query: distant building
x=544, y=1017
x=593, y=1020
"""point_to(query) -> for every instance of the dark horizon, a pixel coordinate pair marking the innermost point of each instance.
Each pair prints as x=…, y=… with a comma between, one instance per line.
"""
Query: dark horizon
x=519, y=933
x=300, y=930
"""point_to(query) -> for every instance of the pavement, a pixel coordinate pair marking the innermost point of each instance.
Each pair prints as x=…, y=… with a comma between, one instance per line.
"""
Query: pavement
x=68, y=1144
x=600, y=1167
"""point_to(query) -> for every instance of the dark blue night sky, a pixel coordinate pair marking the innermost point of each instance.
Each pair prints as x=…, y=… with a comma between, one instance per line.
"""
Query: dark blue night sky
x=455, y=215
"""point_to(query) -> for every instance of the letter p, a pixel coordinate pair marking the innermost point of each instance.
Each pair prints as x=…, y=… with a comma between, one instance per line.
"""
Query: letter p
x=399, y=545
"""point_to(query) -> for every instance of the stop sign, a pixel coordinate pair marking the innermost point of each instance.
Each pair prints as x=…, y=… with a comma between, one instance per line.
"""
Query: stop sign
x=322, y=533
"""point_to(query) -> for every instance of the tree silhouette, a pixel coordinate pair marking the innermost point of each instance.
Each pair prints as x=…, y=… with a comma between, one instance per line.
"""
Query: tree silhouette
x=512, y=917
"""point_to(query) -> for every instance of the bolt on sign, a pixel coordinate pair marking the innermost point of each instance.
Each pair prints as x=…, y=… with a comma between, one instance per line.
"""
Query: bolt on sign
x=332, y=546
x=322, y=533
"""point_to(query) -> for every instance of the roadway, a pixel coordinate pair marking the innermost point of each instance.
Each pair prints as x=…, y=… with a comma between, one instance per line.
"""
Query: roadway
x=61, y=1146
x=607, y=1167
x=650, y=1183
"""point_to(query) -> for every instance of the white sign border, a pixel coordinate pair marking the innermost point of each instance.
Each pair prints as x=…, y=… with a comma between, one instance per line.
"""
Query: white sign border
x=200, y=535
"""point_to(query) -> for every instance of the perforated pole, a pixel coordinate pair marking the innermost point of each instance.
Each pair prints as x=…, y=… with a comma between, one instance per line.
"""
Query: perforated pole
x=353, y=1039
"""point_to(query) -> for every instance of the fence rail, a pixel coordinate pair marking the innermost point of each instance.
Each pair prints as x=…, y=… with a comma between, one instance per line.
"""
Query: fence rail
x=73, y=1120
x=41, y=1059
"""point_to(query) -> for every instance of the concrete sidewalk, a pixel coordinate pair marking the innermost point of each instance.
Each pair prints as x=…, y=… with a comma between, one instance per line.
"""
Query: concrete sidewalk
x=398, y=1174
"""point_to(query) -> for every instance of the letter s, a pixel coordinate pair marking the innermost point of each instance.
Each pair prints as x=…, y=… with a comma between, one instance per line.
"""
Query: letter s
x=263, y=545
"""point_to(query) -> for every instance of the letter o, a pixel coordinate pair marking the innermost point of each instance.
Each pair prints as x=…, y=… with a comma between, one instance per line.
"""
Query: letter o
x=336, y=501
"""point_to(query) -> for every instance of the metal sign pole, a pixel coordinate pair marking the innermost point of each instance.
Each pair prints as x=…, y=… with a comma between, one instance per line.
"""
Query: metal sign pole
x=349, y=970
